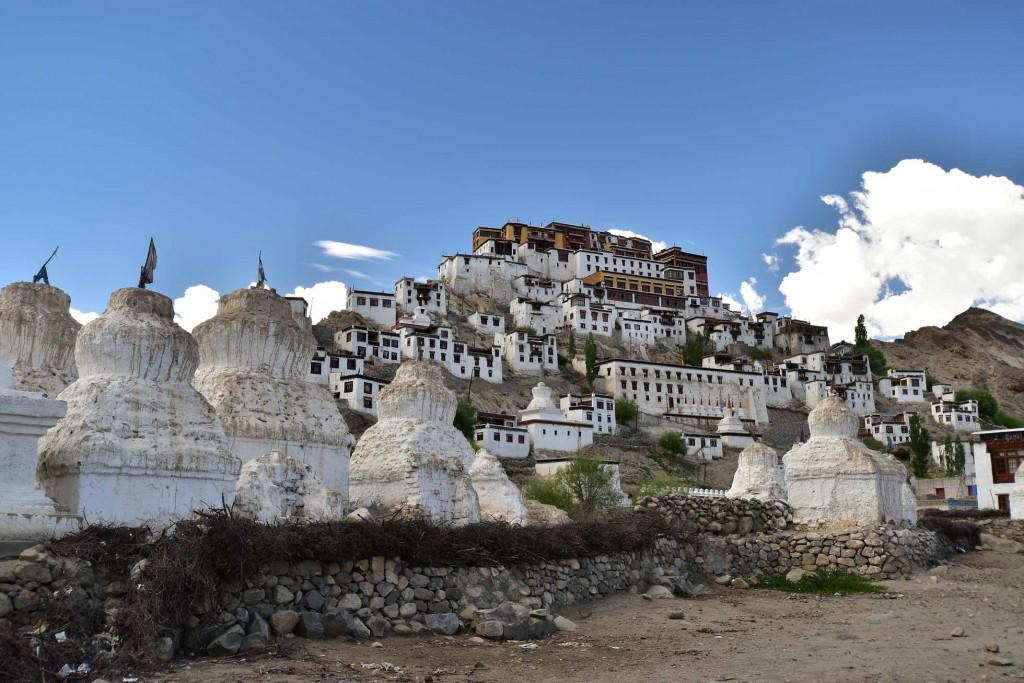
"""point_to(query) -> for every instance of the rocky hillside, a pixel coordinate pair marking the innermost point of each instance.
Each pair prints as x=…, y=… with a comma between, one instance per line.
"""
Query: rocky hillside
x=975, y=349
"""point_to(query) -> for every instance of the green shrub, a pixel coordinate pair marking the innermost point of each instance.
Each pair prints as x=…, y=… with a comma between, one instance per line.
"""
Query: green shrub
x=672, y=442
x=625, y=412
x=821, y=582
x=465, y=419
x=697, y=346
x=549, y=492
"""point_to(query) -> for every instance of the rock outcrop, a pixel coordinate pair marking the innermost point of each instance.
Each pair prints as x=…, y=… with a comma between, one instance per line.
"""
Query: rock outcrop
x=414, y=459
x=499, y=497
x=254, y=357
x=758, y=474
x=277, y=487
x=37, y=337
x=139, y=445
x=834, y=481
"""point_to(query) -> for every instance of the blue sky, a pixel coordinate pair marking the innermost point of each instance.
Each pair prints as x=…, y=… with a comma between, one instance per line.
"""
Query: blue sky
x=226, y=128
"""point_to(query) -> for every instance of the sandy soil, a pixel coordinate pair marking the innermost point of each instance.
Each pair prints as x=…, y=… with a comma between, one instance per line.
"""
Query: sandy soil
x=730, y=635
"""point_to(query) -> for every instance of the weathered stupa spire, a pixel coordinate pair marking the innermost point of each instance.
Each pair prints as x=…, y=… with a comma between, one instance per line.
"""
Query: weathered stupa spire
x=37, y=336
x=139, y=445
x=254, y=357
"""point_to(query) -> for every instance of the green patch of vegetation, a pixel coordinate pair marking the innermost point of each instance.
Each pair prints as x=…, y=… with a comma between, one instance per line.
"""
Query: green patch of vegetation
x=862, y=346
x=590, y=358
x=465, y=419
x=873, y=443
x=920, y=447
x=1004, y=419
x=760, y=354
x=549, y=492
x=821, y=582
x=528, y=330
x=658, y=483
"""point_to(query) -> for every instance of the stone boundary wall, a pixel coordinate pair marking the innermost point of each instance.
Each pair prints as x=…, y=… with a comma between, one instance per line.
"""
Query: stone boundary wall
x=378, y=596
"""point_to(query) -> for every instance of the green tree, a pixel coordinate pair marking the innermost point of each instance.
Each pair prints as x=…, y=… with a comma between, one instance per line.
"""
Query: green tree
x=672, y=442
x=625, y=412
x=590, y=356
x=860, y=333
x=465, y=419
x=988, y=406
x=590, y=485
x=572, y=345
x=947, y=454
x=697, y=346
x=919, y=447
x=955, y=466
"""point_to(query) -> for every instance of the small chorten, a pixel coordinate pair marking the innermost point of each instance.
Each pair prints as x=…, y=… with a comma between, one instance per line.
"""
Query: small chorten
x=1017, y=494
x=414, y=459
x=37, y=336
x=758, y=474
x=499, y=498
x=834, y=481
x=139, y=445
x=254, y=357
x=731, y=429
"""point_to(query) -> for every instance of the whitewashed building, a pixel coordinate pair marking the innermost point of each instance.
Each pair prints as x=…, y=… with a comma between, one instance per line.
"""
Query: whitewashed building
x=944, y=392
x=359, y=392
x=583, y=315
x=420, y=340
x=429, y=295
x=365, y=343
x=324, y=363
x=903, y=386
x=703, y=446
x=376, y=306
x=528, y=354
x=596, y=409
x=998, y=457
x=683, y=390
x=891, y=430
x=487, y=323
x=536, y=289
x=501, y=435
x=548, y=427
x=647, y=327
x=484, y=274
x=960, y=415
x=542, y=318
x=858, y=395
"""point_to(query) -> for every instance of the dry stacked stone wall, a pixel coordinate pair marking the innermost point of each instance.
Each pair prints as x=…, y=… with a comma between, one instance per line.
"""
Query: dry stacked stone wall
x=380, y=596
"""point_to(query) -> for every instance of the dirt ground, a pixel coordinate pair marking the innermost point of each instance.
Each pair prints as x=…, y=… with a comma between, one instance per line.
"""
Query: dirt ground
x=729, y=635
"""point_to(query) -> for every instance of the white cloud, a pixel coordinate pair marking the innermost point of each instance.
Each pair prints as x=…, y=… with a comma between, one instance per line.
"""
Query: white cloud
x=655, y=245
x=915, y=246
x=323, y=297
x=197, y=304
x=752, y=301
x=730, y=301
x=772, y=261
x=321, y=267
x=357, y=273
x=83, y=318
x=355, y=252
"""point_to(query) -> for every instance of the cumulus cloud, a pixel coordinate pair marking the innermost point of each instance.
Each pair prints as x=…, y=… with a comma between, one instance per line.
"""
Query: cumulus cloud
x=730, y=300
x=656, y=245
x=355, y=252
x=752, y=301
x=197, y=304
x=771, y=261
x=83, y=317
x=323, y=297
x=914, y=246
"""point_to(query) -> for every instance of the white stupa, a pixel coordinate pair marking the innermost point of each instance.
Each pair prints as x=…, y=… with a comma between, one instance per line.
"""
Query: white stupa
x=277, y=487
x=758, y=474
x=254, y=357
x=414, y=459
x=1017, y=494
x=26, y=513
x=37, y=336
x=499, y=497
x=139, y=445
x=835, y=481
x=731, y=429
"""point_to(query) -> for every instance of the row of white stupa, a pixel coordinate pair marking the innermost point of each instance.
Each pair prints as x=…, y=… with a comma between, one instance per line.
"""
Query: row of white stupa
x=155, y=422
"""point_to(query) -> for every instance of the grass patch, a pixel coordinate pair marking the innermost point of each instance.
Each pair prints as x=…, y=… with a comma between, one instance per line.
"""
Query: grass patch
x=660, y=483
x=821, y=583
